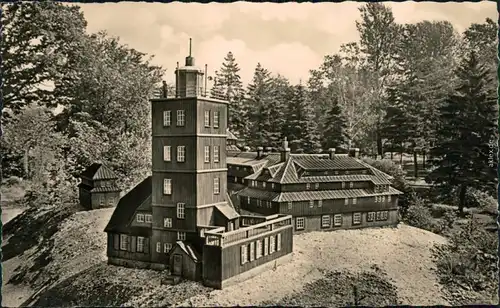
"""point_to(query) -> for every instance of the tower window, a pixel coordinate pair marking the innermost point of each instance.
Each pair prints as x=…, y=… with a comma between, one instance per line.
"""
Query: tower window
x=181, y=120
x=216, y=153
x=180, y=210
x=216, y=119
x=207, y=154
x=181, y=236
x=167, y=153
x=207, y=118
x=140, y=217
x=181, y=153
x=167, y=118
x=167, y=247
x=216, y=186
x=167, y=186
x=167, y=222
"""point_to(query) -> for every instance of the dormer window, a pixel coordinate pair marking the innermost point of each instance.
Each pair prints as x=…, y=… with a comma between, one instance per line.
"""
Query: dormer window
x=351, y=184
x=316, y=186
x=343, y=185
x=311, y=203
x=325, y=173
x=308, y=186
x=347, y=172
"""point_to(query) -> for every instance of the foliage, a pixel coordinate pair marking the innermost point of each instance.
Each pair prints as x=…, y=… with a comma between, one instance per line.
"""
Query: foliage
x=468, y=127
x=419, y=215
x=36, y=37
x=335, y=131
x=469, y=261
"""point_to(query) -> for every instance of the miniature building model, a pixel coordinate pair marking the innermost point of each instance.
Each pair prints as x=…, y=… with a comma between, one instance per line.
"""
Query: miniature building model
x=182, y=217
x=98, y=187
x=321, y=192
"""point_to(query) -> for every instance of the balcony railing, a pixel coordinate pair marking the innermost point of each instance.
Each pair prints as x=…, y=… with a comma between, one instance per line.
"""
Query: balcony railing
x=187, y=92
x=221, y=238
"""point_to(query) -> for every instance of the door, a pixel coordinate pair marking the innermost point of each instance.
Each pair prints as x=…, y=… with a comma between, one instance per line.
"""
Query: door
x=177, y=271
x=231, y=226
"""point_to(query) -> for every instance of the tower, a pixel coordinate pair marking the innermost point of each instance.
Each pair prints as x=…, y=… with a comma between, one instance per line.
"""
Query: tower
x=188, y=161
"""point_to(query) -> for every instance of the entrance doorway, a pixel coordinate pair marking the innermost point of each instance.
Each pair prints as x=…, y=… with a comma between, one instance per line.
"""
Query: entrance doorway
x=177, y=270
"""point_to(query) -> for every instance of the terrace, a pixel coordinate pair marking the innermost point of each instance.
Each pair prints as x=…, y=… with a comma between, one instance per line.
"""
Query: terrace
x=251, y=226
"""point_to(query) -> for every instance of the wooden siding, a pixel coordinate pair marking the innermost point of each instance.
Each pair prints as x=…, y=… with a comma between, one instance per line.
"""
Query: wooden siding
x=96, y=199
x=313, y=223
x=186, y=104
x=191, y=153
x=302, y=208
x=183, y=188
x=205, y=216
x=113, y=249
x=204, y=186
x=231, y=255
x=85, y=198
x=211, y=142
x=324, y=186
x=204, y=105
x=212, y=266
x=188, y=223
x=190, y=269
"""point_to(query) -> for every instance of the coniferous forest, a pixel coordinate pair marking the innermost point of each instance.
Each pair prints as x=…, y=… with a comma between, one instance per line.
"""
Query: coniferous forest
x=419, y=94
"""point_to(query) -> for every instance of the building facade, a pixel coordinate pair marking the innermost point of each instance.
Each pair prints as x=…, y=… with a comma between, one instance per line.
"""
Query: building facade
x=182, y=218
x=321, y=192
x=98, y=188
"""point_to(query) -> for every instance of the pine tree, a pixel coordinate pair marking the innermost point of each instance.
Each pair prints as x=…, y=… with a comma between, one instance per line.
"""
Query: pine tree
x=228, y=86
x=301, y=129
x=465, y=155
x=335, y=131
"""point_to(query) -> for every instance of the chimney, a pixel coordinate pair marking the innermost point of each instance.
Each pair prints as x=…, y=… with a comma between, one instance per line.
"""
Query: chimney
x=331, y=153
x=285, y=151
x=355, y=152
x=164, y=89
x=190, y=59
x=267, y=150
x=259, y=152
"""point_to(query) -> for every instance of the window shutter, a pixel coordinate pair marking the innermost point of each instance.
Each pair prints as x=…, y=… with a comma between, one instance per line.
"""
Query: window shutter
x=116, y=241
x=133, y=243
x=146, y=245
x=127, y=240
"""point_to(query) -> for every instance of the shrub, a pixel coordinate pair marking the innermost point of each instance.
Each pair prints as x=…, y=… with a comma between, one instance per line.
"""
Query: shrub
x=13, y=180
x=418, y=214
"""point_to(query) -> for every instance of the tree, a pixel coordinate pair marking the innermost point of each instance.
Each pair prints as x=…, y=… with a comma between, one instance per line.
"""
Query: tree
x=335, y=134
x=228, y=86
x=465, y=154
x=33, y=49
x=300, y=128
x=483, y=40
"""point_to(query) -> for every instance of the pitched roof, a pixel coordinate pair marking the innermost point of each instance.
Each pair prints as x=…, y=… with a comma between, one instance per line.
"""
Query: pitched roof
x=98, y=171
x=227, y=210
x=113, y=188
x=230, y=135
x=189, y=250
x=127, y=206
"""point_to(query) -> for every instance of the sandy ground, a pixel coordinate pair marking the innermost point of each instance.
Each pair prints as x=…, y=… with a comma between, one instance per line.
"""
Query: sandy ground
x=10, y=212
x=403, y=252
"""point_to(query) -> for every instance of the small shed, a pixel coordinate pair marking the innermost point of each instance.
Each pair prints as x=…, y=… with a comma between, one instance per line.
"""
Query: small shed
x=185, y=262
x=98, y=188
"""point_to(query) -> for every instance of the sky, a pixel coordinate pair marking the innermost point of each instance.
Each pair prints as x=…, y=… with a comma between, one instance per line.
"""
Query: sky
x=289, y=39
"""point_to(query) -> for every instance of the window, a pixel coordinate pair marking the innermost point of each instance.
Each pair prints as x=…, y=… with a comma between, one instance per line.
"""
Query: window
x=337, y=220
x=244, y=256
x=216, y=186
x=158, y=247
x=272, y=185
x=300, y=223
x=351, y=184
x=167, y=222
x=376, y=199
x=216, y=153
x=167, y=247
x=252, y=251
x=258, y=203
x=389, y=198
x=216, y=119
x=316, y=186
x=207, y=154
x=308, y=186
x=235, y=179
x=167, y=118
x=248, y=200
x=370, y=216
x=272, y=244
x=148, y=218
x=102, y=200
x=180, y=118
x=343, y=185
x=111, y=200
x=325, y=221
x=383, y=198
x=346, y=201
x=123, y=242
x=266, y=246
x=289, y=206
x=347, y=172
x=181, y=236
x=180, y=210
x=140, y=217
x=278, y=242
x=379, y=216
x=354, y=200
x=385, y=215
x=258, y=248
x=320, y=203
x=167, y=186
x=237, y=167
x=263, y=184
x=356, y=218
x=311, y=203
x=140, y=244
x=207, y=118
x=181, y=153
x=167, y=153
